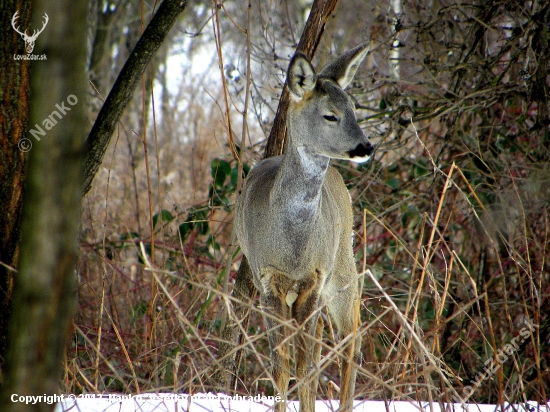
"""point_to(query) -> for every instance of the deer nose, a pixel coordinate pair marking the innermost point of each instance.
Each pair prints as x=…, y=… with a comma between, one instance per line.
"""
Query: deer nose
x=361, y=150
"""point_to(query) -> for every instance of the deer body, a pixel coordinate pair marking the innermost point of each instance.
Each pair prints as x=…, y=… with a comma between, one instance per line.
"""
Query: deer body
x=297, y=243
x=294, y=223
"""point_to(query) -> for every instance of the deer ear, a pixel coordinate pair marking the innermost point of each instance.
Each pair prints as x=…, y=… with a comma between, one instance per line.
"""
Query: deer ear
x=301, y=76
x=344, y=67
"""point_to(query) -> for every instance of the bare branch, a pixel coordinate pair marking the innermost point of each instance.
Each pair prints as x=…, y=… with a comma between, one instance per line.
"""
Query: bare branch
x=122, y=90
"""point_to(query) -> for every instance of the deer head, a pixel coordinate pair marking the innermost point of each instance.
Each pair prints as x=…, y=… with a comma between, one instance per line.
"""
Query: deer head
x=29, y=40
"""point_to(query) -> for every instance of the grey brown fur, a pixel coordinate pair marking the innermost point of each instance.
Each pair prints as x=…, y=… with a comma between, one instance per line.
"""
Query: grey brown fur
x=294, y=223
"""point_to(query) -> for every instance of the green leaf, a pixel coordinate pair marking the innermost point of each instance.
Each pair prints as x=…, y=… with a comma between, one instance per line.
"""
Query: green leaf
x=420, y=169
x=234, y=176
x=165, y=216
x=429, y=310
x=196, y=220
x=184, y=229
x=203, y=227
x=215, y=245
x=393, y=183
x=155, y=219
x=220, y=170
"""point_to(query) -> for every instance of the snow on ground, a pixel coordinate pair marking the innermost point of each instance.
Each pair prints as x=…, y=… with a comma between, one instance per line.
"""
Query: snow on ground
x=209, y=402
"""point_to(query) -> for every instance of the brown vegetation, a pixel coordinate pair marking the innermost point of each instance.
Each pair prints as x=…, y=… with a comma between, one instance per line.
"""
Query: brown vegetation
x=452, y=213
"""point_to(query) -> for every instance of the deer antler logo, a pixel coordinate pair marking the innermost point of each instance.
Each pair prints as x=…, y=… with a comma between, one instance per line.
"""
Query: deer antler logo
x=29, y=40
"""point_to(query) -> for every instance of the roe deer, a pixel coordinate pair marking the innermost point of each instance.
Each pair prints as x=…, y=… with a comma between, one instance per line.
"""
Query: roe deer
x=294, y=223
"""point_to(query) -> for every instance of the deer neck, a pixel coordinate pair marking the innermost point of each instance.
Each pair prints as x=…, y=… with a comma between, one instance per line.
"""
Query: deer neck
x=296, y=194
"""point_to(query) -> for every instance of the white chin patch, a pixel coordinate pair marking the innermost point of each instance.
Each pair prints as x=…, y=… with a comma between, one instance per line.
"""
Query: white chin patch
x=359, y=159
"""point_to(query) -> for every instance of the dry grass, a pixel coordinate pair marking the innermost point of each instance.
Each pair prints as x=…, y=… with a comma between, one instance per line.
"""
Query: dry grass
x=452, y=231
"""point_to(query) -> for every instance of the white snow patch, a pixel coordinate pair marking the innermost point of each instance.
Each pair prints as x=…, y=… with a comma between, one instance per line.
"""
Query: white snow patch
x=169, y=402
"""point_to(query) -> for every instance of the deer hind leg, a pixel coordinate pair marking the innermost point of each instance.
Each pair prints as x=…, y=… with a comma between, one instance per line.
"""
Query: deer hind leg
x=345, y=310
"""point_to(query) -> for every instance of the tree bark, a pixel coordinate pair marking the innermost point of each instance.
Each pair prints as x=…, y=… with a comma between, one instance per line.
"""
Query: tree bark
x=121, y=93
x=14, y=125
x=44, y=288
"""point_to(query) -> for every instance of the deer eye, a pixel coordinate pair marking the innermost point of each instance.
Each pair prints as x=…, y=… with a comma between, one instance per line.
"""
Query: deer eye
x=331, y=118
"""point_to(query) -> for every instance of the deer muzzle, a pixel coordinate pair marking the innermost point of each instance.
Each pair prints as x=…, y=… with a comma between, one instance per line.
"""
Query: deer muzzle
x=362, y=152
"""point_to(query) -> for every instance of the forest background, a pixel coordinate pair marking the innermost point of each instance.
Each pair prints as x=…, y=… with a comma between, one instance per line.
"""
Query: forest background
x=452, y=223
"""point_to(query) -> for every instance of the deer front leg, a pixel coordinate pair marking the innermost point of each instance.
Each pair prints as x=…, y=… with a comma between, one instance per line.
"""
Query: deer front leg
x=308, y=350
x=307, y=341
x=277, y=315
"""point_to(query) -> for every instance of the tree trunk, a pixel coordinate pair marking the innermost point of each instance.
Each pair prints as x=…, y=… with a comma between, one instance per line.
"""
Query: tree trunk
x=14, y=125
x=44, y=288
x=33, y=335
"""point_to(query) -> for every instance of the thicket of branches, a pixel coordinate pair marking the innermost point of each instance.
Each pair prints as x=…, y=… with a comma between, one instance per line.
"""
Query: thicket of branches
x=452, y=213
